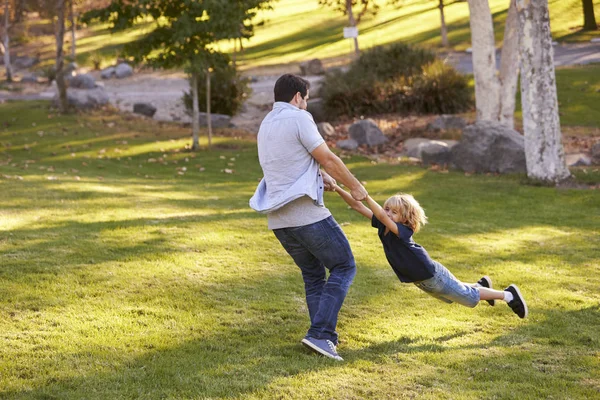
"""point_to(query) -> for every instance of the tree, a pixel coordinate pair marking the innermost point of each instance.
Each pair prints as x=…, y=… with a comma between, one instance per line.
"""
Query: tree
x=544, y=152
x=6, y=42
x=589, y=19
x=185, y=33
x=495, y=90
x=60, y=39
x=345, y=7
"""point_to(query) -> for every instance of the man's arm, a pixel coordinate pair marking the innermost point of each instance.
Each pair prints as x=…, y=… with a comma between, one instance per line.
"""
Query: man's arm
x=336, y=168
x=356, y=205
x=381, y=215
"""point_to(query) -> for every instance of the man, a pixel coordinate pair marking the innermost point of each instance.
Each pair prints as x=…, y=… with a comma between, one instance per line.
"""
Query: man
x=290, y=150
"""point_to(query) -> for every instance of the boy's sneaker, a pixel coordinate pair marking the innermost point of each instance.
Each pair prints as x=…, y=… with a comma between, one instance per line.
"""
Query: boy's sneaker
x=486, y=282
x=322, y=346
x=517, y=304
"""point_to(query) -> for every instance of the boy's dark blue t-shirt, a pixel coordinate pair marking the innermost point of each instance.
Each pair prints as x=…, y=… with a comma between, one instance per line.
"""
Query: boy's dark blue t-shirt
x=409, y=260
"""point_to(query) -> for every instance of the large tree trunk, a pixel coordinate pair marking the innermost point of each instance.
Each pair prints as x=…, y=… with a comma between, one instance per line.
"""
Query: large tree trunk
x=73, y=28
x=352, y=23
x=443, y=23
x=60, y=37
x=195, y=113
x=487, y=84
x=6, y=42
x=509, y=67
x=544, y=152
x=589, y=19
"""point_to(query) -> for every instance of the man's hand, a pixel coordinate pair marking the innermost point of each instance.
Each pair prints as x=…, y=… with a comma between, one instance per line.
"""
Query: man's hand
x=359, y=193
x=328, y=182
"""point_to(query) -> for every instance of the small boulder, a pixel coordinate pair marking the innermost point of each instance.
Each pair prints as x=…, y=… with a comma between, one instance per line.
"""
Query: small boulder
x=85, y=98
x=367, y=132
x=435, y=152
x=444, y=122
x=83, y=81
x=325, y=129
x=411, y=147
x=596, y=154
x=316, y=108
x=25, y=62
x=312, y=67
x=108, y=73
x=29, y=78
x=123, y=70
x=146, y=109
x=216, y=120
x=348, y=144
x=577, y=160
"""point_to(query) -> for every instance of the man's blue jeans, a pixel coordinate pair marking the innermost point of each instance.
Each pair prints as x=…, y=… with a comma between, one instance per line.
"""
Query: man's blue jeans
x=315, y=247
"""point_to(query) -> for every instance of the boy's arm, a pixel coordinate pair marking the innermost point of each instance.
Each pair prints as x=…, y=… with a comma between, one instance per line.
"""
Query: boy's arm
x=381, y=215
x=356, y=205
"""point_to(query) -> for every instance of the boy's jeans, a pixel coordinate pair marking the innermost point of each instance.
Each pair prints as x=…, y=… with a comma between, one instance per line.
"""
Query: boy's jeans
x=314, y=247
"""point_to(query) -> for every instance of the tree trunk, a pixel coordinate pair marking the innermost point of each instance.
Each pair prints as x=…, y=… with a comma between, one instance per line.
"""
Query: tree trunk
x=7, y=42
x=352, y=23
x=544, y=152
x=444, y=28
x=208, y=116
x=509, y=67
x=19, y=4
x=73, y=28
x=60, y=37
x=195, y=113
x=589, y=19
x=487, y=83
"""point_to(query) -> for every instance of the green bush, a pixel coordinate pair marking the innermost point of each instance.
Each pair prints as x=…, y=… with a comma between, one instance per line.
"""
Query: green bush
x=395, y=79
x=227, y=88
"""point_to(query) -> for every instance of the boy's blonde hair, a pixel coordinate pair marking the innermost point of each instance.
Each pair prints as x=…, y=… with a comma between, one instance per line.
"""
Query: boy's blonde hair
x=411, y=212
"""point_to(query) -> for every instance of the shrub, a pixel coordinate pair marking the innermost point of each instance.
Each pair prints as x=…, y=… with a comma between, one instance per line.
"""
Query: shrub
x=392, y=79
x=227, y=88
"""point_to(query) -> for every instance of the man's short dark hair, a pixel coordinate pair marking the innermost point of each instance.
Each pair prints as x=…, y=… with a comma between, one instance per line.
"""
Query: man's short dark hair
x=288, y=85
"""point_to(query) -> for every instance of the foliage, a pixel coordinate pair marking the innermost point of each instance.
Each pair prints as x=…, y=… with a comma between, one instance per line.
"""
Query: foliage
x=125, y=276
x=396, y=78
x=366, y=7
x=228, y=89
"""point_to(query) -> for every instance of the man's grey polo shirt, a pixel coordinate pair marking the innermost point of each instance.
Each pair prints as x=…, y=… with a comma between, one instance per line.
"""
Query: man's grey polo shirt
x=291, y=191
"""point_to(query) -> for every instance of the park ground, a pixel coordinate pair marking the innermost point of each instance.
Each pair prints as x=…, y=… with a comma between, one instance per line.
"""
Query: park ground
x=132, y=267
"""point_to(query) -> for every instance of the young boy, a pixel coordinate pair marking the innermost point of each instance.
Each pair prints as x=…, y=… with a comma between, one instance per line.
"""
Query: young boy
x=400, y=217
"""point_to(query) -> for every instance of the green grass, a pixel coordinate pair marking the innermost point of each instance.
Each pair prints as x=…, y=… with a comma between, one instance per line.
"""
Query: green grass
x=122, y=278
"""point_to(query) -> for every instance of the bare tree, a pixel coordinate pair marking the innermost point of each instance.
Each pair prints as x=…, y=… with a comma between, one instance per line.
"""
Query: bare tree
x=589, y=18
x=60, y=37
x=345, y=7
x=443, y=25
x=6, y=42
x=544, y=152
x=73, y=28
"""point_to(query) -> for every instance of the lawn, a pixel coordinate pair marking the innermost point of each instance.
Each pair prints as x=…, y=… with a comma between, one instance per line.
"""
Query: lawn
x=131, y=268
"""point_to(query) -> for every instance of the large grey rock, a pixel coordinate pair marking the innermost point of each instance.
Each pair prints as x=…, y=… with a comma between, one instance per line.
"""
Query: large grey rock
x=146, y=109
x=488, y=146
x=435, y=152
x=83, y=81
x=108, y=73
x=596, y=153
x=123, y=70
x=312, y=67
x=445, y=121
x=348, y=144
x=367, y=132
x=325, y=129
x=29, y=78
x=216, y=120
x=316, y=108
x=85, y=98
x=411, y=146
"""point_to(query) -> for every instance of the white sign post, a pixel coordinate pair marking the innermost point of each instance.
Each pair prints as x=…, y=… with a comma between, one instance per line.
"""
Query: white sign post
x=350, y=32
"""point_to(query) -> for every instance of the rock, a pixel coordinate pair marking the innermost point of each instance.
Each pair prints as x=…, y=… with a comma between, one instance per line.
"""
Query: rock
x=577, y=160
x=312, y=67
x=435, y=152
x=316, y=108
x=123, y=70
x=146, y=109
x=444, y=122
x=411, y=147
x=25, y=62
x=596, y=153
x=348, y=144
x=29, y=78
x=108, y=73
x=83, y=81
x=488, y=146
x=216, y=120
x=367, y=132
x=85, y=98
x=325, y=129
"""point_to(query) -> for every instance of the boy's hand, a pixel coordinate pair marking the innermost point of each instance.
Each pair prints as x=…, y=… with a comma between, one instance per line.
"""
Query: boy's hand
x=328, y=182
x=359, y=194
